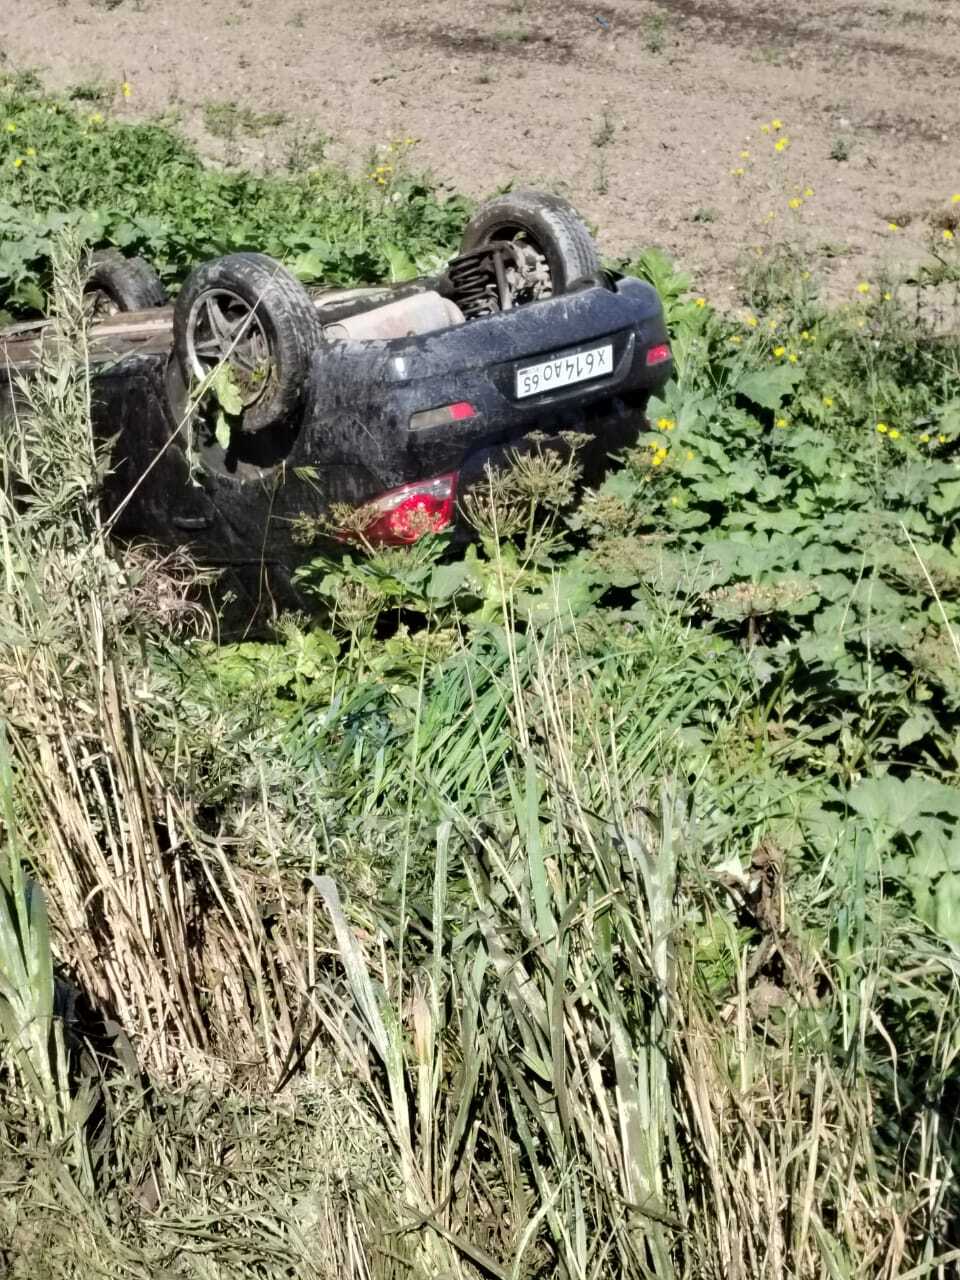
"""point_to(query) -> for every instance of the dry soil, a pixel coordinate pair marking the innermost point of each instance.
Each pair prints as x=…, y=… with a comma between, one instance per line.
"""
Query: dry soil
x=639, y=110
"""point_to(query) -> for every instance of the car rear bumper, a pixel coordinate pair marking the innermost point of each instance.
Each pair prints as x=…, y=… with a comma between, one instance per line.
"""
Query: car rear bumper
x=363, y=396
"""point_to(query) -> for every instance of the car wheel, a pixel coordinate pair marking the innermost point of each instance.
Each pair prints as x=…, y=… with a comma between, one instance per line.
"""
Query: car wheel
x=114, y=283
x=550, y=226
x=249, y=313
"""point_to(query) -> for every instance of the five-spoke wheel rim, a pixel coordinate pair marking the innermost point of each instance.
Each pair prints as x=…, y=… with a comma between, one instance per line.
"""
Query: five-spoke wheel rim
x=223, y=328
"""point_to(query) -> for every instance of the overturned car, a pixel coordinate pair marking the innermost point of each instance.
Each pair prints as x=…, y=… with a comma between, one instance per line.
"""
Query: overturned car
x=251, y=403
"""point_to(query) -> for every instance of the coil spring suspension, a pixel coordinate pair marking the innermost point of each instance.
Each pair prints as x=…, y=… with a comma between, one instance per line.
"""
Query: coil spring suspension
x=472, y=283
x=496, y=277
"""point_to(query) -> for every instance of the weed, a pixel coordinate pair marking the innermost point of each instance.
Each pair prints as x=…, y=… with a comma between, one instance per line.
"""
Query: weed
x=306, y=150
x=840, y=149
x=605, y=130
x=90, y=91
x=227, y=120
x=513, y=35
x=655, y=32
x=143, y=189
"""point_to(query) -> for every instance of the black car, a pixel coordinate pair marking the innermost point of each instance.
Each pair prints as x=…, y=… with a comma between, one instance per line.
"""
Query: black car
x=251, y=403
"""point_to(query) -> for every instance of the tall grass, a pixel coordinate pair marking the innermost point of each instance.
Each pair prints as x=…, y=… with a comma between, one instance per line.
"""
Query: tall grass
x=583, y=1026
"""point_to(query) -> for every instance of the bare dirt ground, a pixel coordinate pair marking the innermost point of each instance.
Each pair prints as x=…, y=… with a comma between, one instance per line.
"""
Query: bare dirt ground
x=639, y=110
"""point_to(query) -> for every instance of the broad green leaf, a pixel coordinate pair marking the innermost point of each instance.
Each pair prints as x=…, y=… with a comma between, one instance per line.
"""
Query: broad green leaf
x=899, y=803
x=222, y=431
x=915, y=727
x=223, y=384
x=401, y=267
x=768, y=388
x=448, y=579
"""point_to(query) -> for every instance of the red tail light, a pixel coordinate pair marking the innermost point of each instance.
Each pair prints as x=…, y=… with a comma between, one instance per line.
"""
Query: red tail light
x=406, y=514
x=458, y=412
x=658, y=354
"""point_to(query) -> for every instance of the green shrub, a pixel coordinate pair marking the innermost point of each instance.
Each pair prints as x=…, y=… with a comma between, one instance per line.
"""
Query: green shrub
x=140, y=187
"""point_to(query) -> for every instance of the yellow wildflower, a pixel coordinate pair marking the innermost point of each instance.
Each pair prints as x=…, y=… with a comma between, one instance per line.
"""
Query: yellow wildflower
x=795, y=203
x=828, y=401
x=781, y=422
x=11, y=127
x=779, y=351
x=806, y=336
x=793, y=357
x=925, y=438
x=893, y=226
x=736, y=339
x=888, y=296
x=882, y=428
x=744, y=155
x=942, y=439
x=18, y=162
x=955, y=199
x=781, y=144
x=666, y=424
x=126, y=89
x=764, y=128
x=948, y=234
x=738, y=173
x=674, y=501
x=701, y=302
x=808, y=192
x=776, y=124
x=894, y=434
x=751, y=321
x=690, y=455
x=863, y=287
x=31, y=152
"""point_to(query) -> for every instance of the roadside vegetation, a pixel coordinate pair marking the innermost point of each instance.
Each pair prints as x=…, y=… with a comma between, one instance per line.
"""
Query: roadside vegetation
x=585, y=905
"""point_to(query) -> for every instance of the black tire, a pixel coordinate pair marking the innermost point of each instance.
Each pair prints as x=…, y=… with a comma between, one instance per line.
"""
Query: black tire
x=281, y=317
x=547, y=222
x=115, y=283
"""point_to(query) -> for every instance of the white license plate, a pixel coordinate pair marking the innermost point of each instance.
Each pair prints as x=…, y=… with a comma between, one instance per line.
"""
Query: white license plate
x=563, y=371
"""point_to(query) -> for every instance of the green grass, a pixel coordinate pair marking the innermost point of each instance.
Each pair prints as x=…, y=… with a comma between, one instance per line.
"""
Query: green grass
x=584, y=905
x=228, y=119
x=513, y=35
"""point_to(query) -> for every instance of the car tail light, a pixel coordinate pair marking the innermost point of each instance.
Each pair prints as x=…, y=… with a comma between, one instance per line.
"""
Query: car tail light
x=403, y=515
x=440, y=417
x=659, y=353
